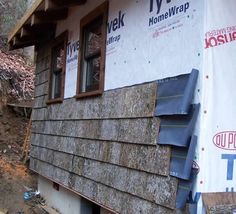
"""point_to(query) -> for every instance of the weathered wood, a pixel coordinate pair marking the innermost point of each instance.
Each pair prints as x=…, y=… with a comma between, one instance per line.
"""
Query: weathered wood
x=18, y=42
x=42, y=154
x=41, y=90
x=153, y=159
x=116, y=200
x=139, y=131
x=41, y=77
x=49, y=16
x=24, y=19
x=130, y=102
x=39, y=113
x=68, y=2
x=159, y=189
x=48, y=8
x=63, y=160
x=43, y=52
x=220, y=202
x=43, y=64
x=24, y=33
x=40, y=102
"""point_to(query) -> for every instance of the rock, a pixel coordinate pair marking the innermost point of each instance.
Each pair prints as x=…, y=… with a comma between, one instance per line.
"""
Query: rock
x=4, y=151
x=9, y=146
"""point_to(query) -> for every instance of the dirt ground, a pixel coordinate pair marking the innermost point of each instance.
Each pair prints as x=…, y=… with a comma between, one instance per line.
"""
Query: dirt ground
x=14, y=175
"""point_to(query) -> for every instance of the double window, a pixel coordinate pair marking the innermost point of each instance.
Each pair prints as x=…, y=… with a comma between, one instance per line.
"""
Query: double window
x=91, y=64
x=92, y=52
x=57, y=71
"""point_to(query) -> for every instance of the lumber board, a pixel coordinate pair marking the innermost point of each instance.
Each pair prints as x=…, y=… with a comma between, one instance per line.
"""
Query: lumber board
x=220, y=202
x=41, y=90
x=138, y=131
x=40, y=102
x=159, y=189
x=153, y=158
x=22, y=21
x=116, y=200
x=41, y=77
x=130, y=102
x=43, y=64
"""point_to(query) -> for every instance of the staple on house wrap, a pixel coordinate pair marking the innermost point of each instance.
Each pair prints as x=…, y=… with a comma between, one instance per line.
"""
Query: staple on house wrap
x=182, y=160
x=184, y=188
x=176, y=130
x=174, y=95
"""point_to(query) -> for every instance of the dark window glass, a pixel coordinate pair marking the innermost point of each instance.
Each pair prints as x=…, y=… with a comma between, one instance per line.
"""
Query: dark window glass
x=58, y=55
x=91, y=56
x=92, y=53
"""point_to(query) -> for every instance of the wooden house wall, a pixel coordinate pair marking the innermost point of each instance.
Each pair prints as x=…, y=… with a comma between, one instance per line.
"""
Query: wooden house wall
x=104, y=148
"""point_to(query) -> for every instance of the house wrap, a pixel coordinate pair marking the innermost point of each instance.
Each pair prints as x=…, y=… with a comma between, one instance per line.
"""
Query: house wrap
x=134, y=105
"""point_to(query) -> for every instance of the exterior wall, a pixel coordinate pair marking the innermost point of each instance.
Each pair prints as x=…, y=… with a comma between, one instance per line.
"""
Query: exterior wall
x=63, y=200
x=104, y=148
x=138, y=51
x=116, y=133
x=217, y=146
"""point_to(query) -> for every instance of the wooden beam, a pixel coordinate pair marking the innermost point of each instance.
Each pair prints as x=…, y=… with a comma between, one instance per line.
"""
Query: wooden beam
x=219, y=201
x=24, y=19
x=45, y=28
x=49, y=5
x=49, y=16
x=21, y=42
x=62, y=3
x=34, y=20
x=42, y=12
x=24, y=32
x=29, y=34
x=23, y=45
x=15, y=40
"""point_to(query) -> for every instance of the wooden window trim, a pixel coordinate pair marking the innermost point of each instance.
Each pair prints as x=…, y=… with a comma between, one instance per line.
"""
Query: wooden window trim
x=62, y=37
x=100, y=10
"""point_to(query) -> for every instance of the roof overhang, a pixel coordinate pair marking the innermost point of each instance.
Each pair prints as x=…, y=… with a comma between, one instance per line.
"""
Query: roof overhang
x=39, y=22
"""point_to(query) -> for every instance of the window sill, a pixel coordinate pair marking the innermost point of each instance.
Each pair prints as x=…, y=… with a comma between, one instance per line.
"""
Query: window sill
x=89, y=94
x=54, y=101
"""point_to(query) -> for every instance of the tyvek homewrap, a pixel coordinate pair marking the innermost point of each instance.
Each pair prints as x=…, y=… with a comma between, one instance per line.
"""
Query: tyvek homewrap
x=217, y=144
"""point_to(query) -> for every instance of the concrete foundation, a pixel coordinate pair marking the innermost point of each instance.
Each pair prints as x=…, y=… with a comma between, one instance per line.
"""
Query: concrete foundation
x=65, y=201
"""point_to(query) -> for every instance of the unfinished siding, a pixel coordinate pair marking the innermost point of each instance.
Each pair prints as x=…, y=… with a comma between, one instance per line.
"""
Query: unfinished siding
x=104, y=148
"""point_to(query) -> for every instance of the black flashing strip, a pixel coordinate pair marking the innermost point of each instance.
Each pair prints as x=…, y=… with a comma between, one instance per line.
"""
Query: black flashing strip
x=177, y=130
x=184, y=188
x=182, y=160
x=174, y=95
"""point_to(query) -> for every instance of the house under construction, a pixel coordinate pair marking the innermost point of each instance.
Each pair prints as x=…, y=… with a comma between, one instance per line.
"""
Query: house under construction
x=133, y=108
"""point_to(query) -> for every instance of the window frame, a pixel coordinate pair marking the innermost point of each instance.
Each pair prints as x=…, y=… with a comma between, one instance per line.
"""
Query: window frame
x=101, y=10
x=62, y=38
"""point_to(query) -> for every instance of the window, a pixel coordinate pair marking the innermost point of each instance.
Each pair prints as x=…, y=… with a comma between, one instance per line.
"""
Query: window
x=92, y=52
x=57, y=69
x=89, y=207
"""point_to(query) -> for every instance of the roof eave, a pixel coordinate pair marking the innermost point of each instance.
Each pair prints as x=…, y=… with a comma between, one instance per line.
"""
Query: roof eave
x=39, y=22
